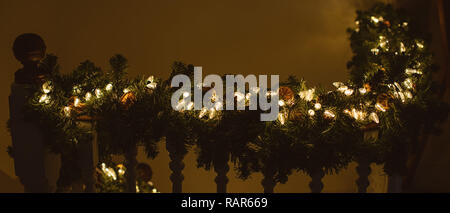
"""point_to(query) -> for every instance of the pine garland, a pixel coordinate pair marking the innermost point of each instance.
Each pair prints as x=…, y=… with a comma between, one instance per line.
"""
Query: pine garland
x=390, y=89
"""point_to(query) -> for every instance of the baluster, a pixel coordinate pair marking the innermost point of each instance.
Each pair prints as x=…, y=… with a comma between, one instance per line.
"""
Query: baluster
x=316, y=184
x=88, y=155
x=177, y=151
x=131, y=167
x=268, y=182
x=221, y=168
x=363, y=169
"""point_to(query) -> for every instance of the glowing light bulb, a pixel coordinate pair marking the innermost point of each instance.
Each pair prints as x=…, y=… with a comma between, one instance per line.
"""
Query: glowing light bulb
x=362, y=91
x=375, y=51
x=151, y=79
x=109, y=87
x=410, y=71
x=190, y=106
x=408, y=83
x=98, y=93
x=402, y=47
x=374, y=19
x=203, y=112
x=348, y=92
x=317, y=106
x=281, y=118
x=379, y=107
x=329, y=114
x=311, y=112
x=420, y=45
x=88, y=96
x=47, y=87
x=342, y=88
x=374, y=117
x=151, y=85
x=126, y=90
x=281, y=103
x=307, y=95
x=76, y=102
x=67, y=111
x=43, y=98
x=408, y=94
x=186, y=94
x=212, y=113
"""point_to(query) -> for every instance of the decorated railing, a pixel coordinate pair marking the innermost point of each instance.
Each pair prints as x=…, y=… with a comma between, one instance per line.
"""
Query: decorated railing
x=89, y=116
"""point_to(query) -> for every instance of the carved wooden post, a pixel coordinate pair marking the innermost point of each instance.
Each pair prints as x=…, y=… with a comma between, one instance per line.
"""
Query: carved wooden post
x=221, y=168
x=268, y=181
x=316, y=184
x=177, y=151
x=131, y=164
x=88, y=155
x=363, y=169
x=27, y=140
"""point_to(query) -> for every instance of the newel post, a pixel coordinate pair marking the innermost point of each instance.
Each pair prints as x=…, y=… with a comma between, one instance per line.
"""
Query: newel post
x=31, y=165
x=177, y=151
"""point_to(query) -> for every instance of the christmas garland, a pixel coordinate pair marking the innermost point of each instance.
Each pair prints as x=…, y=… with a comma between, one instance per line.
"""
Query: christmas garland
x=390, y=89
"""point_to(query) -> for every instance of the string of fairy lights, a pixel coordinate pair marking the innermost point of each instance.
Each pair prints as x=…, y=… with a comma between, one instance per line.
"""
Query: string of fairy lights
x=378, y=91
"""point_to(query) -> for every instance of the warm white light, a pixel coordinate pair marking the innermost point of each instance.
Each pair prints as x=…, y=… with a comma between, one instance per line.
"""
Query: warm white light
x=150, y=79
x=190, y=106
x=412, y=71
x=281, y=103
x=126, y=90
x=186, y=94
x=342, y=88
x=98, y=93
x=109, y=87
x=311, y=112
x=281, y=118
x=67, y=111
x=374, y=19
x=47, y=87
x=420, y=45
x=362, y=91
x=329, y=114
x=379, y=107
x=76, y=102
x=408, y=83
x=88, y=96
x=43, y=98
x=402, y=47
x=348, y=92
x=375, y=51
x=307, y=95
x=151, y=85
x=203, y=112
x=374, y=117
x=212, y=113
x=317, y=106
